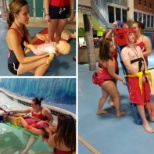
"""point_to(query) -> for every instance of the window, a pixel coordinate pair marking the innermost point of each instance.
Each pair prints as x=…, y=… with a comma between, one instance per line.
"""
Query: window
x=145, y=3
x=140, y=17
x=124, y=2
x=148, y=21
x=124, y=15
x=135, y=16
x=150, y=5
x=152, y=18
x=144, y=19
x=118, y=14
x=139, y=2
x=111, y=14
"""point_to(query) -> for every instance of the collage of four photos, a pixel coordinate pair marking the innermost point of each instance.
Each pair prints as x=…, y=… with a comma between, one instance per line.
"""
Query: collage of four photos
x=76, y=77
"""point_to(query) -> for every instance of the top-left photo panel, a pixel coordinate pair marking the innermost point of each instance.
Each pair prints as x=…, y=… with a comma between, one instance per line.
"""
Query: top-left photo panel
x=38, y=38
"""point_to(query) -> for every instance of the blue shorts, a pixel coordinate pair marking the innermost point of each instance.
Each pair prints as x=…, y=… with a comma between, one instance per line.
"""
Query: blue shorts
x=59, y=12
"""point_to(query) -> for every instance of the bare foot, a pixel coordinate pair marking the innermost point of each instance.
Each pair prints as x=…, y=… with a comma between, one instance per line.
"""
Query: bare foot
x=121, y=113
x=101, y=112
x=152, y=118
x=148, y=128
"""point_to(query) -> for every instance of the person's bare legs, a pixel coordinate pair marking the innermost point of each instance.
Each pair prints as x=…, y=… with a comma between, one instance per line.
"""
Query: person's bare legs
x=146, y=125
x=40, y=66
x=112, y=90
x=12, y=119
x=51, y=57
x=101, y=102
x=29, y=144
x=111, y=99
x=111, y=102
x=150, y=108
x=60, y=27
x=52, y=25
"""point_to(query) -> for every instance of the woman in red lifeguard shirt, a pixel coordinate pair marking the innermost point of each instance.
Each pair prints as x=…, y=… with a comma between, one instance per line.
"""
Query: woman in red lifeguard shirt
x=57, y=14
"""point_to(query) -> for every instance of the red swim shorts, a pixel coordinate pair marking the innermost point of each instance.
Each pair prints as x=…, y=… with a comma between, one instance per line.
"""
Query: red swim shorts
x=135, y=94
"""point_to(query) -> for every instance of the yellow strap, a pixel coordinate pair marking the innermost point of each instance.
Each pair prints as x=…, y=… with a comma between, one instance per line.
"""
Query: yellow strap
x=139, y=75
x=16, y=121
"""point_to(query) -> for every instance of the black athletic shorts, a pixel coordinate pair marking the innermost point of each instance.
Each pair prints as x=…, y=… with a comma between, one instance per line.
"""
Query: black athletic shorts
x=13, y=68
x=59, y=12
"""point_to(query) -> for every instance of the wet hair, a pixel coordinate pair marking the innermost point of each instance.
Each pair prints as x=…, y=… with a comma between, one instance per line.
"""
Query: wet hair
x=139, y=25
x=37, y=100
x=66, y=131
x=15, y=7
x=104, y=51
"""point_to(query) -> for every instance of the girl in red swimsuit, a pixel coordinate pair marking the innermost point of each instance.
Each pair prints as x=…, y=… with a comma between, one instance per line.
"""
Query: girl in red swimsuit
x=109, y=34
x=64, y=139
x=57, y=14
x=106, y=75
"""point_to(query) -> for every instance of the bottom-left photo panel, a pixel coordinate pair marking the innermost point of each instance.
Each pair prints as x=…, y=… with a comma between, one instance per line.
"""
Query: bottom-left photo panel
x=37, y=115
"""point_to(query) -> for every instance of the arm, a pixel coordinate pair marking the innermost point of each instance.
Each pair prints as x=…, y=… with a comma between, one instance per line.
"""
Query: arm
x=22, y=111
x=126, y=61
x=32, y=40
x=111, y=70
x=51, y=141
x=13, y=42
x=72, y=9
x=46, y=6
x=47, y=113
x=3, y=109
x=27, y=51
x=148, y=46
x=109, y=34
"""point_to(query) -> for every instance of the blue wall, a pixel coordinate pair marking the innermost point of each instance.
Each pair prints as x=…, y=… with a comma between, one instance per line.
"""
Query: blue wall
x=60, y=91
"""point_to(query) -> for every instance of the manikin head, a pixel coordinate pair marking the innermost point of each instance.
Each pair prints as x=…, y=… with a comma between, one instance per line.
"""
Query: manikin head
x=63, y=47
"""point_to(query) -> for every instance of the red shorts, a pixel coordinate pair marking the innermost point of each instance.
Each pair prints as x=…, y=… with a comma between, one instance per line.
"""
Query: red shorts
x=135, y=94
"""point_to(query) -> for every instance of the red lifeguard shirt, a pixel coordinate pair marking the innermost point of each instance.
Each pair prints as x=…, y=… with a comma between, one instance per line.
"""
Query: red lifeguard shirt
x=59, y=3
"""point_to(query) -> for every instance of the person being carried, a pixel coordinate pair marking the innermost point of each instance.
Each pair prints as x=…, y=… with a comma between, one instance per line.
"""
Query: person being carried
x=105, y=77
x=51, y=48
x=37, y=111
x=138, y=79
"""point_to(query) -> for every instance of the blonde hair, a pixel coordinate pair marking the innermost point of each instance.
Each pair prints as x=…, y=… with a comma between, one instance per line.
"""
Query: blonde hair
x=15, y=7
